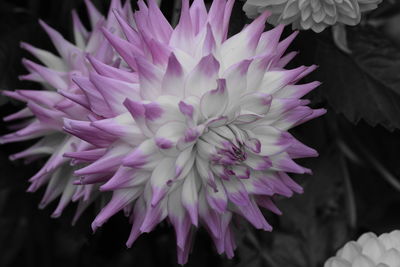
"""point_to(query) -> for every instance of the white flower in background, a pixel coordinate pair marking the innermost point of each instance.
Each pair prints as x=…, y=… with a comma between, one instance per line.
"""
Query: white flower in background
x=311, y=14
x=369, y=251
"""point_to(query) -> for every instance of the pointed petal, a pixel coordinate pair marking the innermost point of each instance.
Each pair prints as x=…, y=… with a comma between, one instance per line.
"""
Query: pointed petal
x=48, y=59
x=112, y=72
x=115, y=91
x=119, y=200
x=203, y=77
x=172, y=82
x=107, y=163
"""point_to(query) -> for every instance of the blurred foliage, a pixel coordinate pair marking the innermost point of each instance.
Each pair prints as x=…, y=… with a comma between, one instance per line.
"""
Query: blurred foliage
x=353, y=188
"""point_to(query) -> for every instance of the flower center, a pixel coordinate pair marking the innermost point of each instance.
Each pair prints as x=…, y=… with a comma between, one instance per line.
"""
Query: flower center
x=228, y=146
x=231, y=154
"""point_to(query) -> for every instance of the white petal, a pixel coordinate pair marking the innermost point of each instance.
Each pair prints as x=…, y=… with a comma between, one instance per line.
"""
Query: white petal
x=214, y=103
x=190, y=191
x=164, y=172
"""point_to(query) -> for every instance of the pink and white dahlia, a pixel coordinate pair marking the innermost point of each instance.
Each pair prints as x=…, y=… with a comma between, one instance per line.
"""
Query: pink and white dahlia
x=46, y=109
x=311, y=14
x=369, y=251
x=203, y=136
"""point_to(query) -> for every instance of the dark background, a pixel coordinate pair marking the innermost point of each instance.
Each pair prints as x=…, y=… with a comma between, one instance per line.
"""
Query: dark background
x=355, y=187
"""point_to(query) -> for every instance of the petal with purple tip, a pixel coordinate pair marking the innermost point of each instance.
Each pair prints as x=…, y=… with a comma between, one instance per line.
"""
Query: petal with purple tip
x=164, y=172
x=203, y=77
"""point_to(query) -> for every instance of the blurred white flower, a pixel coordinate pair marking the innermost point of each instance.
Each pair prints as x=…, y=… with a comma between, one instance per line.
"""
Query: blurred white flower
x=369, y=251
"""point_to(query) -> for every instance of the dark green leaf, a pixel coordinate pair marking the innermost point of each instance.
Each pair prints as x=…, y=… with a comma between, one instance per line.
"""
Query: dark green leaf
x=366, y=84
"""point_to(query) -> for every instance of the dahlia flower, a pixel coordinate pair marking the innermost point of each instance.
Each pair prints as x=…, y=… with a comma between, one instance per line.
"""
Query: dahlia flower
x=369, y=251
x=311, y=14
x=43, y=116
x=202, y=137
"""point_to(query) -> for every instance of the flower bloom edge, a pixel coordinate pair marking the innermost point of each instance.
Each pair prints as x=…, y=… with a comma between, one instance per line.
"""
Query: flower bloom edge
x=189, y=125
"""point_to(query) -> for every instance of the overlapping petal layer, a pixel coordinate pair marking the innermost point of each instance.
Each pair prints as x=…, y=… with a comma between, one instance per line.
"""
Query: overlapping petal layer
x=311, y=14
x=196, y=132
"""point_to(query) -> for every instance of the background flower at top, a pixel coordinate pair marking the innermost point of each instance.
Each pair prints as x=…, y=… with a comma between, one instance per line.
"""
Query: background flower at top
x=46, y=109
x=311, y=14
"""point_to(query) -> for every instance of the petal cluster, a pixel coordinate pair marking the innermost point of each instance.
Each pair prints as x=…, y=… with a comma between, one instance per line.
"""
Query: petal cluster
x=46, y=109
x=195, y=132
x=180, y=124
x=311, y=14
x=369, y=251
